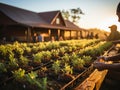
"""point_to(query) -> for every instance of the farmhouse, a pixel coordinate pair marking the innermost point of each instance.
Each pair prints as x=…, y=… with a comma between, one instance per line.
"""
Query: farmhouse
x=19, y=24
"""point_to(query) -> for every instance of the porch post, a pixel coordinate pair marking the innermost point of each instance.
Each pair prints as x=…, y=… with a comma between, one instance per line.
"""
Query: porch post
x=70, y=34
x=58, y=33
x=77, y=35
x=49, y=33
x=29, y=34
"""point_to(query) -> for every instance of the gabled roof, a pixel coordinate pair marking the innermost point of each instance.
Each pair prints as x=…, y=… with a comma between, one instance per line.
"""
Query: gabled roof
x=48, y=16
x=33, y=19
x=51, y=16
x=20, y=15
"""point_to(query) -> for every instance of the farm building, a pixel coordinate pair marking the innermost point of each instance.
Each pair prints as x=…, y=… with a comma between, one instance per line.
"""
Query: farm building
x=19, y=24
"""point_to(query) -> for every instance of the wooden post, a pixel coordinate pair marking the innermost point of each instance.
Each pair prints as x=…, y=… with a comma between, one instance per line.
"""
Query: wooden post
x=70, y=34
x=29, y=34
x=77, y=35
x=58, y=33
x=49, y=33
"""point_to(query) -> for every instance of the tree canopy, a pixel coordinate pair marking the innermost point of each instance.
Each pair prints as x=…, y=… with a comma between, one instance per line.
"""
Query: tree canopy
x=72, y=14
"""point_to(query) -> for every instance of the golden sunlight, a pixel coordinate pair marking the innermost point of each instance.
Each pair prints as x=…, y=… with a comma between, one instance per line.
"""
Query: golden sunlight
x=108, y=22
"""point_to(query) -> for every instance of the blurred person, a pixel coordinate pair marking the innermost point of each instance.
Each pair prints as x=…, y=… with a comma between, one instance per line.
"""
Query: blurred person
x=34, y=38
x=52, y=39
x=40, y=37
x=60, y=38
x=114, y=35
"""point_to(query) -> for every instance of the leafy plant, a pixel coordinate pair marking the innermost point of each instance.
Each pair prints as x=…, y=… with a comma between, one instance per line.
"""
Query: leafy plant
x=73, y=56
x=66, y=58
x=2, y=68
x=34, y=49
x=27, y=50
x=32, y=79
x=13, y=63
x=37, y=57
x=23, y=60
x=67, y=69
x=78, y=62
x=61, y=51
x=46, y=56
x=56, y=66
x=5, y=51
x=54, y=53
x=19, y=74
x=87, y=59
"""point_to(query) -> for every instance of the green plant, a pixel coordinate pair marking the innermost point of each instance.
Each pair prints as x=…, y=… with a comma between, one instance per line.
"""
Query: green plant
x=27, y=50
x=73, y=56
x=34, y=49
x=32, y=79
x=68, y=49
x=44, y=83
x=18, y=51
x=66, y=58
x=54, y=53
x=61, y=51
x=5, y=51
x=13, y=63
x=56, y=66
x=67, y=69
x=78, y=62
x=37, y=57
x=23, y=60
x=87, y=59
x=46, y=56
x=2, y=68
x=19, y=74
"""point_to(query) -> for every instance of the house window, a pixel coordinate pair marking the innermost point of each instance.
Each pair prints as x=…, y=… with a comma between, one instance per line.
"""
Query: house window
x=57, y=21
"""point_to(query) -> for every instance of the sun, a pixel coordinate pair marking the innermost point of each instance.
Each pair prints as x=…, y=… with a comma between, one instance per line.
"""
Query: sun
x=108, y=22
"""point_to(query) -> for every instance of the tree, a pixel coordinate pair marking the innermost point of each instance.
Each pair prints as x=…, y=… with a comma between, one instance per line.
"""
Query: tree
x=72, y=14
x=65, y=14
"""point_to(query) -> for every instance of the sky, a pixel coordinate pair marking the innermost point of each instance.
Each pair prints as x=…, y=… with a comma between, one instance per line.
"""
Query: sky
x=98, y=13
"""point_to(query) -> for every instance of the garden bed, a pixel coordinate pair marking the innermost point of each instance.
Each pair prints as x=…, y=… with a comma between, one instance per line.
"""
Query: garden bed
x=48, y=66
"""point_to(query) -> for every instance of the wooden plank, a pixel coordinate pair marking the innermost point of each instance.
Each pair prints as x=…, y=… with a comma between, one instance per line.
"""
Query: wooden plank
x=94, y=81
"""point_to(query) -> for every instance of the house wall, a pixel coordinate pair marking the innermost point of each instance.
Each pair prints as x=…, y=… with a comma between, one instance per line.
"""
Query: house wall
x=14, y=33
x=71, y=34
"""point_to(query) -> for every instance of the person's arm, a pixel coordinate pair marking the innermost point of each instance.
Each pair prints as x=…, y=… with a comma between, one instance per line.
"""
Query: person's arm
x=114, y=66
x=103, y=66
x=112, y=58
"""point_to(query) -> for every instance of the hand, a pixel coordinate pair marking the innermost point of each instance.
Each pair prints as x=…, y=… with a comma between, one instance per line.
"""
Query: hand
x=101, y=59
x=99, y=65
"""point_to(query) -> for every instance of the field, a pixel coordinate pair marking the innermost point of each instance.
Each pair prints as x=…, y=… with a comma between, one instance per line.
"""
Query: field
x=47, y=65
